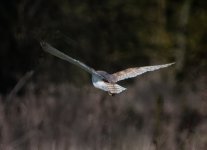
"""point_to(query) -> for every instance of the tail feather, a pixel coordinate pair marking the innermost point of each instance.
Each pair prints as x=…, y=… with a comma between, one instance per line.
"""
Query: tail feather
x=115, y=88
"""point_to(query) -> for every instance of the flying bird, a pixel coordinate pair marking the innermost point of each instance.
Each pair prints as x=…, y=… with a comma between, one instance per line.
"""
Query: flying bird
x=101, y=79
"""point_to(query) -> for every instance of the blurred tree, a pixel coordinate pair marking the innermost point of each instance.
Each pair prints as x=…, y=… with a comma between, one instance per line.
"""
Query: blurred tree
x=129, y=33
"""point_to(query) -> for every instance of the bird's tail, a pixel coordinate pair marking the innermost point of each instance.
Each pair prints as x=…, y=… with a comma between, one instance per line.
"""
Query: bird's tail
x=115, y=88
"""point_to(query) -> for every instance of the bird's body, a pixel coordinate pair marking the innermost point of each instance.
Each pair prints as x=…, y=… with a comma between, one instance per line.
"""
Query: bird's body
x=101, y=79
x=106, y=85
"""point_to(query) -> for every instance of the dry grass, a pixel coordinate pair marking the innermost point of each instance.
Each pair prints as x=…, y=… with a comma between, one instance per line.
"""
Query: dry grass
x=148, y=116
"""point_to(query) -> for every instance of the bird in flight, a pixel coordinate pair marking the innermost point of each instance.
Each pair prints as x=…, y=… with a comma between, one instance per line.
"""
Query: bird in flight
x=101, y=79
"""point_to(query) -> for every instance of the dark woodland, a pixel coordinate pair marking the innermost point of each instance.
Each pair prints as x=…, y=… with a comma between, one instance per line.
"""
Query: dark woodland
x=49, y=104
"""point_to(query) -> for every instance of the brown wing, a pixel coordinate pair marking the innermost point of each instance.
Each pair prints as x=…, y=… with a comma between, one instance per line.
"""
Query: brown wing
x=133, y=72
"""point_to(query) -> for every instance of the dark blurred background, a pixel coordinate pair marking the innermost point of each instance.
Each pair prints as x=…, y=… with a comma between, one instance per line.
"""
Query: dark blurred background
x=47, y=103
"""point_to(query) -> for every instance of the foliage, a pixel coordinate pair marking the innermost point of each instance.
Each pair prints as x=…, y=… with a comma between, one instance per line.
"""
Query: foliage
x=164, y=110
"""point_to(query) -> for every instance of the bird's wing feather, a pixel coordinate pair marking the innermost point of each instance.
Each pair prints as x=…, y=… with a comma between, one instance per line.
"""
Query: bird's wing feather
x=50, y=49
x=133, y=72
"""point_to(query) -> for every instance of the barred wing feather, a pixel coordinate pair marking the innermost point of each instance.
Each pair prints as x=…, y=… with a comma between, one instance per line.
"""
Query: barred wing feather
x=133, y=72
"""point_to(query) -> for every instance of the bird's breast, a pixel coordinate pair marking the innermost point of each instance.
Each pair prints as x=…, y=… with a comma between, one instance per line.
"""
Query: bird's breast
x=99, y=83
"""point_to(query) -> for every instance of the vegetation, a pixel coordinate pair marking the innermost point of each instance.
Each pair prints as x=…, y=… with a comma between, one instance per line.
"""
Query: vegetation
x=44, y=107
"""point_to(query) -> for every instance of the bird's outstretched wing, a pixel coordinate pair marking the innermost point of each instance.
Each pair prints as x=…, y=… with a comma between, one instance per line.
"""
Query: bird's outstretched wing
x=50, y=49
x=133, y=72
